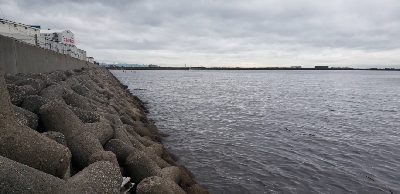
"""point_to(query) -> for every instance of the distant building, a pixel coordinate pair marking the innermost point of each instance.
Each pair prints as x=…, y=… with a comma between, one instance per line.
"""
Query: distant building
x=90, y=59
x=151, y=65
x=321, y=67
x=60, y=41
x=66, y=36
x=10, y=27
x=19, y=31
x=295, y=67
x=82, y=54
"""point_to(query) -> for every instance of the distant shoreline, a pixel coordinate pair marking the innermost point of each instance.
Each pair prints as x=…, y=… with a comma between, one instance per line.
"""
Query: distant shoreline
x=238, y=68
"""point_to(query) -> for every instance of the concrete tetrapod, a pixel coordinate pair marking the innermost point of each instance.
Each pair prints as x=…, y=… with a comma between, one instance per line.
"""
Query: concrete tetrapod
x=25, y=117
x=18, y=178
x=33, y=103
x=24, y=145
x=140, y=166
x=99, y=177
x=197, y=189
x=123, y=150
x=155, y=185
x=76, y=100
x=56, y=116
x=85, y=116
x=120, y=149
x=102, y=131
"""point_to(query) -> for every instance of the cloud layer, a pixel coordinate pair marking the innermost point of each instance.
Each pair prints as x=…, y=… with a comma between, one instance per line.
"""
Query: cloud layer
x=254, y=33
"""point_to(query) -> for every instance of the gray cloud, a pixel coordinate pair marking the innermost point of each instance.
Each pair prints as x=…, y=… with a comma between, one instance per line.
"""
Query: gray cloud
x=224, y=33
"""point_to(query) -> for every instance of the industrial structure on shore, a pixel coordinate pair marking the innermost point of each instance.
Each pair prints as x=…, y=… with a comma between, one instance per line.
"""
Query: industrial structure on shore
x=60, y=41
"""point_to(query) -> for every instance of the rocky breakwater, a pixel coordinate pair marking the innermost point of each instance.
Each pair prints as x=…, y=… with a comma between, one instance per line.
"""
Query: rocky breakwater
x=81, y=131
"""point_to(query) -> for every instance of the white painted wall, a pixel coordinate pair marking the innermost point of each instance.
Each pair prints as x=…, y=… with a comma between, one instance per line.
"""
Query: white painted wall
x=65, y=36
x=62, y=48
x=90, y=59
x=9, y=27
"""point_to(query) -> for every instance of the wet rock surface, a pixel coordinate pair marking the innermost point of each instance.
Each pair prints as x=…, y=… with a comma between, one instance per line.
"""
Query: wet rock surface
x=92, y=128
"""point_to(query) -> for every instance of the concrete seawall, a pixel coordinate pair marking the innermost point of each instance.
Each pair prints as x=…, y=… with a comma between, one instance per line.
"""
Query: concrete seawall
x=19, y=57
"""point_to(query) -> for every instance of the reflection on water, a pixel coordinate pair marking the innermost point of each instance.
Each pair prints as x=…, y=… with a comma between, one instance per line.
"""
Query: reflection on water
x=279, y=131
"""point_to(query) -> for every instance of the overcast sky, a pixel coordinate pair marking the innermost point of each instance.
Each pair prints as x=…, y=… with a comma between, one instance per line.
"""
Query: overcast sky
x=247, y=33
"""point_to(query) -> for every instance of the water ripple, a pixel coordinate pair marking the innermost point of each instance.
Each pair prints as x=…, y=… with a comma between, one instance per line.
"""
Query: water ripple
x=279, y=131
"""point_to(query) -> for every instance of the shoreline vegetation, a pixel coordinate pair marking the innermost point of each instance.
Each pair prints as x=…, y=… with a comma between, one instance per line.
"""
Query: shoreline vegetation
x=82, y=131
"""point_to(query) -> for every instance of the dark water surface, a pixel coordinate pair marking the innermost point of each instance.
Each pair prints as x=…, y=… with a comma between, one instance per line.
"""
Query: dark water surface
x=279, y=131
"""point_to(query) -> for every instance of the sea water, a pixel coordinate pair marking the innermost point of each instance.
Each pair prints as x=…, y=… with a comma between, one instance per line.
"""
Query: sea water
x=279, y=131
